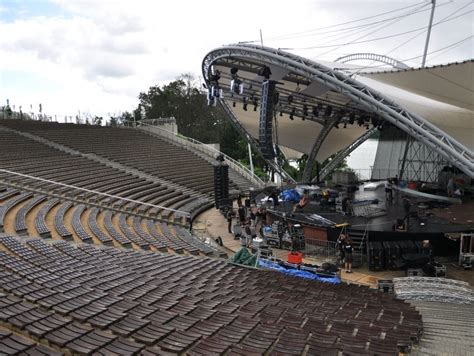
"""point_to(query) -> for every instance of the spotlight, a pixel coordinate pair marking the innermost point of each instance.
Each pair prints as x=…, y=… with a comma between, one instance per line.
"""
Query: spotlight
x=265, y=72
x=276, y=98
x=292, y=113
x=351, y=118
x=215, y=77
x=328, y=111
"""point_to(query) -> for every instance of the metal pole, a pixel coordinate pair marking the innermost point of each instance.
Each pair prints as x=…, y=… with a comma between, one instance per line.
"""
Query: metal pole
x=261, y=38
x=433, y=6
x=250, y=157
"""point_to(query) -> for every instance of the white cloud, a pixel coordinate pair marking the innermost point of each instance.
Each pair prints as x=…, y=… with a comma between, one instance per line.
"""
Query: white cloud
x=98, y=55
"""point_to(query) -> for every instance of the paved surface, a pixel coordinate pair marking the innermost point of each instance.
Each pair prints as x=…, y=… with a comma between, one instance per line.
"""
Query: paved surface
x=212, y=223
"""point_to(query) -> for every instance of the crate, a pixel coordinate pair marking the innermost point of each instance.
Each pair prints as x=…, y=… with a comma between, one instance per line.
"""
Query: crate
x=385, y=285
x=435, y=269
x=274, y=242
x=414, y=272
x=295, y=257
x=376, y=256
x=392, y=254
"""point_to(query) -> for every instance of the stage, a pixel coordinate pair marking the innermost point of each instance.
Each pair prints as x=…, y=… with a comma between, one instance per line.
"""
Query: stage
x=439, y=220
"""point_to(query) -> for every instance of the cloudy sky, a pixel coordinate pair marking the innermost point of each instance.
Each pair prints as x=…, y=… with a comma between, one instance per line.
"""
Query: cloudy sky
x=96, y=56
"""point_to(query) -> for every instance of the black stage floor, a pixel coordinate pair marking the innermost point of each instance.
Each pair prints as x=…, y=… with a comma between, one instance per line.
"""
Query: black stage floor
x=429, y=225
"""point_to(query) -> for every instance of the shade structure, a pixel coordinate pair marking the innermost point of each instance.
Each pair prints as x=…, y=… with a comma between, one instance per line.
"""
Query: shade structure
x=323, y=108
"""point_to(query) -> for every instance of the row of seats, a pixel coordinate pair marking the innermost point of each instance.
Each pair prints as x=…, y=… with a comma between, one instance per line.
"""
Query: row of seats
x=90, y=299
x=129, y=147
x=25, y=156
x=87, y=224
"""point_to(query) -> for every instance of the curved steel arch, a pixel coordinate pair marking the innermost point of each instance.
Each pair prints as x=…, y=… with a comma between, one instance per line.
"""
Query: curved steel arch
x=413, y=124
x=373, y=57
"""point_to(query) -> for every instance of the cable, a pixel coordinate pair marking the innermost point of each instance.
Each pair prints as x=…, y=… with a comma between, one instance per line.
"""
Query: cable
x=386, y=37
x=383, y=26
x=365, y=28
x=444, y=49
x=444, y=19
x=348, y=29
x=340, y=24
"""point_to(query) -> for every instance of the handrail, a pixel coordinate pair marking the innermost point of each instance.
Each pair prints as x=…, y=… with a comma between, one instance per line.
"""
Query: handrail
x=176, y=211
x=210, y=151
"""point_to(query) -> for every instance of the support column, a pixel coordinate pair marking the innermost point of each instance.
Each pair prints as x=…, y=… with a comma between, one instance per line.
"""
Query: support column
x=315, y=149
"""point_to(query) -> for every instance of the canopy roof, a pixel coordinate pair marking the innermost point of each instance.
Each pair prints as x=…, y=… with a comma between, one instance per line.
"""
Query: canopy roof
x=432, y=104
x=451, y=84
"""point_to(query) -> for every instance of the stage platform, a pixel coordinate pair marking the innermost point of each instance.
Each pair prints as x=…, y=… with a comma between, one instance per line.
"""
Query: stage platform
x=450, y=219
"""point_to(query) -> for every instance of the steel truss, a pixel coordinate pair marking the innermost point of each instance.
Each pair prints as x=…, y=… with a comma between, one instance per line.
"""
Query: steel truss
x=420, y=163
x=413, y=124
x=339, y=157
x=315, y=149
x=373, y=57
x=238, y=126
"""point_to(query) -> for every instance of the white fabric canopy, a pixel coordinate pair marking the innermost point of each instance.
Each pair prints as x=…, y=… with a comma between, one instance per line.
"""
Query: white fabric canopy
x=450, y=84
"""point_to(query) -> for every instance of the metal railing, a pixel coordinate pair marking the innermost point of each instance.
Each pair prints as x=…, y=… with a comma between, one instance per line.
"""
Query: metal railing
x=159, y=121
x=321, y=248
x=178, y=213
x=207, y=150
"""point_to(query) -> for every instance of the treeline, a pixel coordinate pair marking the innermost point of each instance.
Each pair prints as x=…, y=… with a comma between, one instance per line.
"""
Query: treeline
x=184, y=100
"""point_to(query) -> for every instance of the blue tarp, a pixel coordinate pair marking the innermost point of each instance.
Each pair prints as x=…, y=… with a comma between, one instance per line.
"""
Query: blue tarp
x=297, y=273
x=290, y=195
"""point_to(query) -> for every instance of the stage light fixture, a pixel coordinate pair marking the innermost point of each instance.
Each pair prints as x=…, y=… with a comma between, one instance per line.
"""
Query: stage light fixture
x=265, y=72
x=351, y=118
x=293, y=111
x=328, y=111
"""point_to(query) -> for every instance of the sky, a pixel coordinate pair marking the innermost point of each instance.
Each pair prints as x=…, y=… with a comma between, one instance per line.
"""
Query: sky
x=95, y=57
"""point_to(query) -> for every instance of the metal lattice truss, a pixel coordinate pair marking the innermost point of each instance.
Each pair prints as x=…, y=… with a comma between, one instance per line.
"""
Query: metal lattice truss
x=416, y=126
x=339, y=156
x=238, y=126
x=372, y=57
x=315, y=149
x=420, y=163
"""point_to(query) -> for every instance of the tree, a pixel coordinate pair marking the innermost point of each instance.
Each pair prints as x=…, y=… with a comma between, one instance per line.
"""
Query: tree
x=97, y=120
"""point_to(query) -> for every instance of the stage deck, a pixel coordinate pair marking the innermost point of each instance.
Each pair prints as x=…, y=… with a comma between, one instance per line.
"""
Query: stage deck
x=451, y=219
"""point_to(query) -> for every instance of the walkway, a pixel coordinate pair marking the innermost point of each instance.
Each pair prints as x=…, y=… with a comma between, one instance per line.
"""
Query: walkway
x=214, y=224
